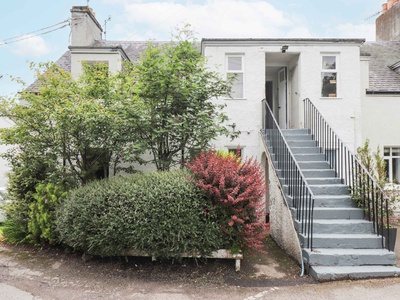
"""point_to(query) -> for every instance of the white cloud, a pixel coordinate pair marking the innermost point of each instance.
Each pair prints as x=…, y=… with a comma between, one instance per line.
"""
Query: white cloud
x=31, y=46
x=212, y=18
x=348, y=30
x=155, y=19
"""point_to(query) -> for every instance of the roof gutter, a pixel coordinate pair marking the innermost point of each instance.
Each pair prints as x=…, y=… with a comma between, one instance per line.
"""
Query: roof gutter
x=369, y=92
x=99, y=49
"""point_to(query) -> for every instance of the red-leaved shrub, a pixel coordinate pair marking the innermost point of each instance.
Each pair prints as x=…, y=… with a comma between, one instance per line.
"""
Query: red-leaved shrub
x=237, y=189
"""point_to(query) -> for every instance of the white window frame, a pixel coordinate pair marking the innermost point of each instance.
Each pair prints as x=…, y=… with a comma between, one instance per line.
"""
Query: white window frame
x=389, y=162
x=241, y=71
x=335, y=70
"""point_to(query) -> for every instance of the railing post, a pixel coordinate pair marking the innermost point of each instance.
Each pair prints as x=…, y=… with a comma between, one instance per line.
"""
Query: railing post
x=298, y=188
x=348, y=168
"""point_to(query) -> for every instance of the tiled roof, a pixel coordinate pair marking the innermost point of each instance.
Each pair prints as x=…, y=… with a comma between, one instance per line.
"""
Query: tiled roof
x=64, y=62
x=382, y=78
x=131, y=48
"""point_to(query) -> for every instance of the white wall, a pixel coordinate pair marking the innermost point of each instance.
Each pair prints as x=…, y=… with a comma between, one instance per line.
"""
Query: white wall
x=4, y=168
x=381, y=121
x=245, y=113
x=114, y=60
x=342, y=113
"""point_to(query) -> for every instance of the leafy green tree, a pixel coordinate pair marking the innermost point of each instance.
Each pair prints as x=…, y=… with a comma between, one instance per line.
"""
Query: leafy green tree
x=67, y=132
x=175, y=91
x=78, y=128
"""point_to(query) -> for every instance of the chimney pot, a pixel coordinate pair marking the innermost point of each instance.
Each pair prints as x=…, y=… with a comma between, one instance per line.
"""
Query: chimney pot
x=384, y=7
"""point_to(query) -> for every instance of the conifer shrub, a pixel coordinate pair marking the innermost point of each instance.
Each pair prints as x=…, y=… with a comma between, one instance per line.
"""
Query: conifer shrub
x=161, y=213
x=42, y=213
x=236, y=188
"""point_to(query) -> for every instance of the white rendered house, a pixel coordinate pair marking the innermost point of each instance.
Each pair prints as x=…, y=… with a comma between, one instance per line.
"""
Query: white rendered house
x=311, y=174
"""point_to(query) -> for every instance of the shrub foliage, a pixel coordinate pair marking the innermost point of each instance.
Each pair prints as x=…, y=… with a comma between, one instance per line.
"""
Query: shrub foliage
x=161, y=213
x=237, y=189
x=42, y=213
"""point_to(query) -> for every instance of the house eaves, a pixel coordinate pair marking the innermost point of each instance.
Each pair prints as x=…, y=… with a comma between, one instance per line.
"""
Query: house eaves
x=99, y=50
x=276, y=42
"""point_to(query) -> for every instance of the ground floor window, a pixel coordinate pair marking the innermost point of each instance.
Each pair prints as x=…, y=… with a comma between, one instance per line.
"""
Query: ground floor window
x=236, y=150
x=392, y=159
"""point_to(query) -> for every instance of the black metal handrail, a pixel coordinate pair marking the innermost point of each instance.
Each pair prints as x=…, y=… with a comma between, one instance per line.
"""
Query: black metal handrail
x=292, y=176
x=363, y=187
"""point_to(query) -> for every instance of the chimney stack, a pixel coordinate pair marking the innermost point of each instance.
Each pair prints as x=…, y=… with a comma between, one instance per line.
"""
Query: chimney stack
x=85, y=29
x=388, y=5
x=388, y=23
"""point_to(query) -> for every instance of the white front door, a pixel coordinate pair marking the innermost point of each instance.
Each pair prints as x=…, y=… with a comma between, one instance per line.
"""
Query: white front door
x=282, y=86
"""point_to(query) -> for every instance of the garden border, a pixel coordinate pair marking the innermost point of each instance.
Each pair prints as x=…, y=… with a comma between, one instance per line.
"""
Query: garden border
x=221, y=254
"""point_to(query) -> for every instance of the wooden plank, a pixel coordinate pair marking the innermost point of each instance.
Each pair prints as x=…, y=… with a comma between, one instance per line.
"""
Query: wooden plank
x=220, y=254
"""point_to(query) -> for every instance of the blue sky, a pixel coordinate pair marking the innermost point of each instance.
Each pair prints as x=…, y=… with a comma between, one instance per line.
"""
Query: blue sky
x=155, y=19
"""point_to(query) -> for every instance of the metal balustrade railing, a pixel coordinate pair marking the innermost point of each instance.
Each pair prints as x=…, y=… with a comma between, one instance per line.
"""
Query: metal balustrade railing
x=291, y=175
x=363, y=187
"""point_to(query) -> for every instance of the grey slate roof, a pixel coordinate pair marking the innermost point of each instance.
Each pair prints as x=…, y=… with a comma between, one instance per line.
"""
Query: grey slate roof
x=131, y=48
x=382, y=78
x=64, y=62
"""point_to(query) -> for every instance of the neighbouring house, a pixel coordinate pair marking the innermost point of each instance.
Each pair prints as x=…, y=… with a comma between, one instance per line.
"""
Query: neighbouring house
x=302, y=107
x=4, y=123
x=380, y=77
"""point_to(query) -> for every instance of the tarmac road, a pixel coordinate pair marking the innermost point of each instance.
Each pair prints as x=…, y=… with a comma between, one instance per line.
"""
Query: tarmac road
x=31, y=273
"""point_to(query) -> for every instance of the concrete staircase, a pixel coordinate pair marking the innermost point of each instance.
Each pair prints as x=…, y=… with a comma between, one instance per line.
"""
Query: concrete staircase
x=344, y=244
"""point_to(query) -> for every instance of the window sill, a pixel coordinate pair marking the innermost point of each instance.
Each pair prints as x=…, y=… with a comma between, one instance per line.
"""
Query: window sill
x=234, y=99
x=331, y=98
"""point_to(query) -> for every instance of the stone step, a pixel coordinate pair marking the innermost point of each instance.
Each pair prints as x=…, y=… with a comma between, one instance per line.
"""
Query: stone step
x=344, y=241
x=337, y=201
x=294, y=131
x=319, y=173
x=309, y=157
x=349, y=257
x=344, y=245
x=330, y=189
x=305, y=150
x=315, y=181
x=310, y=143
x=335, y=213
x=339, y=226
x=324, y=180
x=322, y=190
x=298, y=137
x=313, y=165
x=333, y=201
x=325, y=273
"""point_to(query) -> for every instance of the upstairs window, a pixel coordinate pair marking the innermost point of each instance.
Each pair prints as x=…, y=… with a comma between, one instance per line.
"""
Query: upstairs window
x=392, y=159
x=329, y=76
x=235, y=69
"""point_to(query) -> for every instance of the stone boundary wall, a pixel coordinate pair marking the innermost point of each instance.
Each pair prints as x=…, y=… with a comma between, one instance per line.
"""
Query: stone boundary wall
x=281, y=223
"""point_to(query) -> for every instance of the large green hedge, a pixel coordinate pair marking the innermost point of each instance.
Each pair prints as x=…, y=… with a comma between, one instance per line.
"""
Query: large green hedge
x=162, y=213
